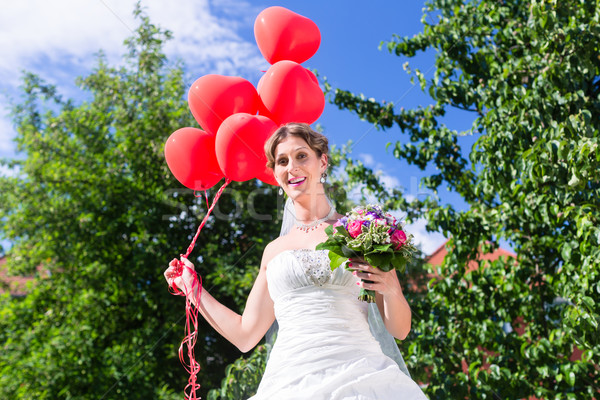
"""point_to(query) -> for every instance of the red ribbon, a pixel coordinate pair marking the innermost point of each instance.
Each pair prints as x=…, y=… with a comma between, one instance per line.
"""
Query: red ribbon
x=191, y=313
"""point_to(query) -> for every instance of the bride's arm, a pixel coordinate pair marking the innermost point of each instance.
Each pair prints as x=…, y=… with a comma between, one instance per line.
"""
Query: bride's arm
x=393, y=307
x=246, y=330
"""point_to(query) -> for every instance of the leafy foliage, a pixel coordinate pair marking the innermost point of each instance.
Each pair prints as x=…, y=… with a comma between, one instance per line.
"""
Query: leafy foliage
x=94, y=204
x=242, y=377
x=529, y=73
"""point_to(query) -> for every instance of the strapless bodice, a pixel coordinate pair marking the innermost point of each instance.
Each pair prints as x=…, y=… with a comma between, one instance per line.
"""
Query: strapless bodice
x=301, y=268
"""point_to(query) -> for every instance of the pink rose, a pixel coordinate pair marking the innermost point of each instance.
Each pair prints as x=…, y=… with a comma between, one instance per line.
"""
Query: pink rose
x=398, y=238
x=354, y=228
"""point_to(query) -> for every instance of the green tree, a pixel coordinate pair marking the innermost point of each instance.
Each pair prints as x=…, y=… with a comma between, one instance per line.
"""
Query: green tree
x=528, y=71
x=94, y=204
x=242, y=377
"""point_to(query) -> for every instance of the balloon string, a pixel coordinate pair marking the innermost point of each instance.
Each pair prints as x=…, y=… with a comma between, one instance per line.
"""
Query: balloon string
x=191, y=336
x=191, y=313
x=214, y=203
x=205, y=196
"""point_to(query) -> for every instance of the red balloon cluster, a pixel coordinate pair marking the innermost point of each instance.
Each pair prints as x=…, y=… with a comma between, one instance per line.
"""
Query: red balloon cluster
x=226, y=107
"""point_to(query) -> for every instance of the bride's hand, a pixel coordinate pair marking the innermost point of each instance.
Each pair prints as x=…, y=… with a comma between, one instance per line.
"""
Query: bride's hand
x=183, y=281
x=386, y=283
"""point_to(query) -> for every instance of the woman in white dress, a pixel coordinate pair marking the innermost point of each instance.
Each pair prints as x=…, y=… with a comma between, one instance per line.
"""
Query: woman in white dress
x=324, y=347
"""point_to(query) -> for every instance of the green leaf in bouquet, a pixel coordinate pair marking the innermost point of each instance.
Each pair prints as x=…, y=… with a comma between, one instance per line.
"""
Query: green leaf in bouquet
x=398, y=261
x=323, y=245
x=368, y=242
x=328, y=242
x=336, y=260
x=382, y=248
x=379, y=260
x=350, y=252
x=339, y=229
x=357, y=247
x=338, y=239
x=332, y=246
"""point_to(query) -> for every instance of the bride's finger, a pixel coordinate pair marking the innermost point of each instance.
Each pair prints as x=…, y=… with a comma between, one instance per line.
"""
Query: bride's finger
x=187, y=263
x=375, y=286
x=368, y=276
x=358, y=265
x=366, y=268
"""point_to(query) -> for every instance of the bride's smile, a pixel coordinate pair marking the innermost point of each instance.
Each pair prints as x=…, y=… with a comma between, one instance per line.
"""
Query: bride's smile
x=295, y=182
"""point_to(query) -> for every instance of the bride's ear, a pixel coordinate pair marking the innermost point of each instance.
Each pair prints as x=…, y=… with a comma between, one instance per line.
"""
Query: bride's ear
x=324, y=162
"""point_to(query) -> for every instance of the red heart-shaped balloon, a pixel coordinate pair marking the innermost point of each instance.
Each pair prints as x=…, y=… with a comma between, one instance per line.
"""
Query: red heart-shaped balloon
x=291, y=93
x=240, y=145
x=212, y=98
x=282, y=34
x=190, y=154
x=267, y=176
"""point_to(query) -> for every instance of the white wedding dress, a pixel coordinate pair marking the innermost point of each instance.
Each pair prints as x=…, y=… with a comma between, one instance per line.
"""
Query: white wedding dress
x=324, y=348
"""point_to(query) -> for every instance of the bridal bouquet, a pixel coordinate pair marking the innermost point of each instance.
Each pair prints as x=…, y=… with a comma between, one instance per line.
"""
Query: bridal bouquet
x=373, y=235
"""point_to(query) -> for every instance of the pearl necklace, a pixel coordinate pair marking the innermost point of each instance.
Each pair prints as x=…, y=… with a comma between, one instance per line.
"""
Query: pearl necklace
x=313, y=225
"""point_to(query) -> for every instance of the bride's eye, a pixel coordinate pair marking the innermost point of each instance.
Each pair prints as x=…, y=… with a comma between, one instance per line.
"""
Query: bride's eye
x=302, y=155
x=282, y=161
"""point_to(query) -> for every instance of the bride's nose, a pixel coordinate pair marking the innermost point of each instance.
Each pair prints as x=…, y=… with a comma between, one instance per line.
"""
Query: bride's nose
x=292, y=166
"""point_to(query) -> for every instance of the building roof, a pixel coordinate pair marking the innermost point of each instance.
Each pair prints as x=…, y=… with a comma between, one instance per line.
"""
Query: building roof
x=15, y=285
x=437, y=257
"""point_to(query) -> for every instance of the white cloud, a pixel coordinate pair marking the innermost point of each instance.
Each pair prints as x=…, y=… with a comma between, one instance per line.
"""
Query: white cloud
x=389, y=181
x=59, y=39
x=8, y=172
x=51, y=32
x=427, y=241
x=367, y=159
x=73, y=30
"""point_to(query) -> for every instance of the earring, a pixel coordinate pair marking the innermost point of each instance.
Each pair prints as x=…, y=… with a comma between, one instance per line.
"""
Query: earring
x=280, y=191
x=323, y=177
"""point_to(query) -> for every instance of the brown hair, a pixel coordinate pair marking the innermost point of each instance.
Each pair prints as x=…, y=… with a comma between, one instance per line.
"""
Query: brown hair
x=316, y=141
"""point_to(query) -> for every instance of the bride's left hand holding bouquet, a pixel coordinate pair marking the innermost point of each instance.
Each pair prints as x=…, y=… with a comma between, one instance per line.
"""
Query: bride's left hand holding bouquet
x=369, y=233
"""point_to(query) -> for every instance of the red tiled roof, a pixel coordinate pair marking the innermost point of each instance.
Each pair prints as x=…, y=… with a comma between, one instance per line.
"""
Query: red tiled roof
x=15, y=285
x=437, y=257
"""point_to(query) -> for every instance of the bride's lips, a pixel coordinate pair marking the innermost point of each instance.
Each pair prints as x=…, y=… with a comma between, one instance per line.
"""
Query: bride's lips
x=296, y=181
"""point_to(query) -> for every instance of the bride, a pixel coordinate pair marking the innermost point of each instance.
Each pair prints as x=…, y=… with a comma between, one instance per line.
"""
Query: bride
x=324, y=348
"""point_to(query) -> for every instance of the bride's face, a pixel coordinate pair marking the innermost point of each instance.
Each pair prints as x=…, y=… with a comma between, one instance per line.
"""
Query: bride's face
x=298, y=169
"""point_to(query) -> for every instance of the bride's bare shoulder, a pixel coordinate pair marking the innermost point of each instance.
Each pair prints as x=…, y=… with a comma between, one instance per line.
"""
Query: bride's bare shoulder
x=338, y=216
x=277, y=246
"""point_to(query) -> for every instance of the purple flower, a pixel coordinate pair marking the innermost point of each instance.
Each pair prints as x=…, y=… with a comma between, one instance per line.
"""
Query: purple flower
x=374, y=214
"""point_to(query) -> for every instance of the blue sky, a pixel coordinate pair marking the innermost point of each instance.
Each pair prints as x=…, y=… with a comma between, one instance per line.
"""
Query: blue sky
x=58, y=40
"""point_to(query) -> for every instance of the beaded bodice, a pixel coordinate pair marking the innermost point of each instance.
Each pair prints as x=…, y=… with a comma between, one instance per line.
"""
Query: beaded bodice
x=302, y=268
x=315, y=264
